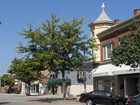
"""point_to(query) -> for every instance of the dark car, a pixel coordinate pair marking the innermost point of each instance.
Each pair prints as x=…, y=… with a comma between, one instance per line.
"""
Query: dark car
x=101, y=97
x=134, y=100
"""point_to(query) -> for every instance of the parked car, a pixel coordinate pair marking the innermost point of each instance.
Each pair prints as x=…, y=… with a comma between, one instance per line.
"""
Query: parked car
x=134, y=100
x=101, y=97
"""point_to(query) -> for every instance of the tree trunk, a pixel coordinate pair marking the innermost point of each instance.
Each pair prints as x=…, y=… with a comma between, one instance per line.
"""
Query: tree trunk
x=64, y=85
x=28, y=89
x=84, y=81
x=84, y=87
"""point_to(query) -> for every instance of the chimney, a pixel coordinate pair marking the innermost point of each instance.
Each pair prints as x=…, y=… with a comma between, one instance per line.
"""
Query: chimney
x=136, y=12
x=116, y=21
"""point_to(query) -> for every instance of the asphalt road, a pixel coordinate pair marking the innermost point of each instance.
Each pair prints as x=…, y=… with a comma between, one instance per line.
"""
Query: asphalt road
x=12, y=99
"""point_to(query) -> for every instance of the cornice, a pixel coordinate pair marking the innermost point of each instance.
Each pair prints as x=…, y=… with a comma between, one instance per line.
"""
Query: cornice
x=118, y=27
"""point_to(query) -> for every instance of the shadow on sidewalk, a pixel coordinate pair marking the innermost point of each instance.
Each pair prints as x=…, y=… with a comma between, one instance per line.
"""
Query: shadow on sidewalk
x=2, y=103
x=48, y=100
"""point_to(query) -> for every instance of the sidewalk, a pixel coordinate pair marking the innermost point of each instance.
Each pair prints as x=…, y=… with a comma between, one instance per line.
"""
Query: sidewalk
x=54, y=100
x=18, y=99
x=65, y=102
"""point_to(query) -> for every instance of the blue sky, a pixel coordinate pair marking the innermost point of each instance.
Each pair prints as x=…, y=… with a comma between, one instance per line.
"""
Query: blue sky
x=16, y=14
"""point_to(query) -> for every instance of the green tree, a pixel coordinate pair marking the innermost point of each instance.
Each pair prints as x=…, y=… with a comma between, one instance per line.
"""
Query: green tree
x=7, y=80
x=25, y=70
x=128, y=52
x=57, y=45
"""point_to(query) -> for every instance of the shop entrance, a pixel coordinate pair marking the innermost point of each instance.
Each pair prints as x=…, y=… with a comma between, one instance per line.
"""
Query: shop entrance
x=121, y=87
x=128, y=85
x=131, y=86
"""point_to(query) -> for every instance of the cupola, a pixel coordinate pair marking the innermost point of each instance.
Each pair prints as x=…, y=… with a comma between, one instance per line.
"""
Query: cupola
x=103, y=17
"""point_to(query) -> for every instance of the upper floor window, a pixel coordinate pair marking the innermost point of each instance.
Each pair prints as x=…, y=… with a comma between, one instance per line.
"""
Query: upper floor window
x=107, y=50
x=53, y=75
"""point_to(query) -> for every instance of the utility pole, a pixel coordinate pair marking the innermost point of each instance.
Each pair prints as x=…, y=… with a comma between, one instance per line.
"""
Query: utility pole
x=84, y=81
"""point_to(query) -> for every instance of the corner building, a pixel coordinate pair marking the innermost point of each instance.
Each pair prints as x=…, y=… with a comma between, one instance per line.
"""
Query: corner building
x=123, y=81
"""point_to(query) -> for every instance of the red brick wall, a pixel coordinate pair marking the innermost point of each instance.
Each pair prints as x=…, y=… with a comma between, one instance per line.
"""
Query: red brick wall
x=113, y=38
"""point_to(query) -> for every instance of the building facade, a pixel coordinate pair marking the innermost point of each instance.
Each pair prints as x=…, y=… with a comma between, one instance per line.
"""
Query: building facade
x=121, y=80
x=77, y=82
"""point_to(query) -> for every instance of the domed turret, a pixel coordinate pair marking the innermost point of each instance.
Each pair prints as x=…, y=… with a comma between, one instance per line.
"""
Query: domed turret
x=102, y=23
x=103, y=16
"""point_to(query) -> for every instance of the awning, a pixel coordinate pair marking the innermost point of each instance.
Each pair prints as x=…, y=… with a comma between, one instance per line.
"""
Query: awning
x=110, y=70
x=123, y=69
x=59, y=81
x=102, y=70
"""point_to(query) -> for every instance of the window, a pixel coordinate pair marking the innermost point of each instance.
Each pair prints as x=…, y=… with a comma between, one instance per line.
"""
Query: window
x=53, y=75
x=107, y=50
x=107, y=94
x=81, y=76
x=98, y=93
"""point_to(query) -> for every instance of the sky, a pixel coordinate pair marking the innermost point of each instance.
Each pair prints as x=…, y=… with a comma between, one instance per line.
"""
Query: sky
x=15, y=15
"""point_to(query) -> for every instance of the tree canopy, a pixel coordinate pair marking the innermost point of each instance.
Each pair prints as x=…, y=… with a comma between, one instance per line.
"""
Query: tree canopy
x=56, y=46
x=25, y=70
x=7, y=80
x=128, y=52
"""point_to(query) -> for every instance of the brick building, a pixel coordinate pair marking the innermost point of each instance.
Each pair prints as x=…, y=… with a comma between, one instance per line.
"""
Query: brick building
x=106, y=32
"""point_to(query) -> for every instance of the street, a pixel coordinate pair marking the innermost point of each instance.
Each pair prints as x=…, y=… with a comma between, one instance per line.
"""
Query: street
x=12, y=99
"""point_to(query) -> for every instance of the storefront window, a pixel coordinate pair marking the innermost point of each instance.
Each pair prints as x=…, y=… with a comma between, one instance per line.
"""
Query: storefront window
x=100, y=85
x=108, y=86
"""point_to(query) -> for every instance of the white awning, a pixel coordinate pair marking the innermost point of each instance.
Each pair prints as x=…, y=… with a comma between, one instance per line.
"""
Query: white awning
x=125, y=70
x=102, y=70
x=110, y=70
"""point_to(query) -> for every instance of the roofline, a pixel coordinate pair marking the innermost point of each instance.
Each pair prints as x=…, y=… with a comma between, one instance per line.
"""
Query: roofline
x=118, y=27
x=100, y=22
